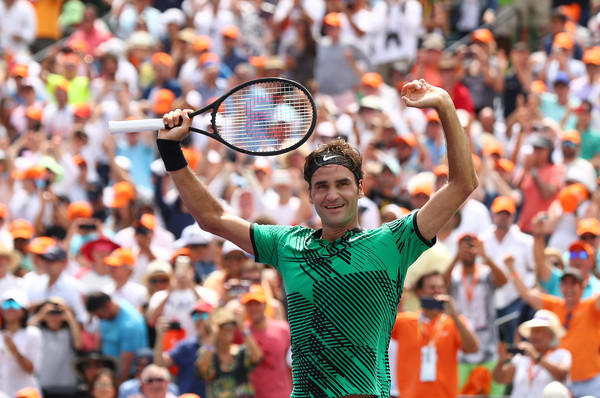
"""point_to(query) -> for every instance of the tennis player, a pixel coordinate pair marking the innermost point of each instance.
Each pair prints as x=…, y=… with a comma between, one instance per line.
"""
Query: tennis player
x=343, y=283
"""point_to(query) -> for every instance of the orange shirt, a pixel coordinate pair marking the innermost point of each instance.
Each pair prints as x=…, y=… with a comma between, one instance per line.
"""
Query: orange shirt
x=48, y=12
x=410, y=339
x=582, y=338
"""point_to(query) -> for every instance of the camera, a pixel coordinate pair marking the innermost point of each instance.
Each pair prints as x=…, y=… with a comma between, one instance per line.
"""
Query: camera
x=174, y=325
x=87, y=227
x=238, y=287
x=513, y=349
x=429, y=303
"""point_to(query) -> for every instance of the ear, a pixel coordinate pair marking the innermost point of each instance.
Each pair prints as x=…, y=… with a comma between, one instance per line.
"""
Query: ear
x=310, y=198
x=361, y=191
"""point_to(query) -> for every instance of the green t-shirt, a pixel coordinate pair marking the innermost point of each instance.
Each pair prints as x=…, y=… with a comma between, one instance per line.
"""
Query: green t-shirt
x=342, y=298
x=79, y=88
x=590, y=144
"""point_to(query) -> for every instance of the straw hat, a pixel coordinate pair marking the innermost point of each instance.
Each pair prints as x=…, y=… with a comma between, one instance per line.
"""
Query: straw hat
x=543, y=318
x=13, y=257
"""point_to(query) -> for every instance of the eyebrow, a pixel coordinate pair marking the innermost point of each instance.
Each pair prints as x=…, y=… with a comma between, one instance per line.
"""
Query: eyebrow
x=323, y=182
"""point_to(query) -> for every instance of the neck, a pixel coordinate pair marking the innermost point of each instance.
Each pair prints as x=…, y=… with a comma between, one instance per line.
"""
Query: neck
x=260, y=324
x=223, y=347
x=468, y=267
x=52, y=279
x=120, y=284
x=430, y=314
x=571, y=303
x=333, y=233
x=13, y=326
x=500, y=233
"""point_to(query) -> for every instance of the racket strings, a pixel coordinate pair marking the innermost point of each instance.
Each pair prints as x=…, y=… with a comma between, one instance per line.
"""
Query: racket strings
x=265, y=117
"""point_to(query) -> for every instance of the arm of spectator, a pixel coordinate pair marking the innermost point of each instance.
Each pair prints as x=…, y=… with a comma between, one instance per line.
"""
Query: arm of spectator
x=74, y=327
x=531, y=297
x=110, y=150
x=24, y=363
x=154, y=312
x=125, y=362
x=455, y=261
x=542, y=268
x=598, y=302
x=470, y=342
x=161, y=358
x=499, y=82
x=254, y=351
x=204, y=362
x=504, y=371
x=498, y=275
x=559, y=371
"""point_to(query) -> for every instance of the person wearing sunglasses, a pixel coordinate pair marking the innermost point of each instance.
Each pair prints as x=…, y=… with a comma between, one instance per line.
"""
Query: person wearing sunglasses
x=183, y=354
x=155, y=383
x=579, y=316
x=20, y=345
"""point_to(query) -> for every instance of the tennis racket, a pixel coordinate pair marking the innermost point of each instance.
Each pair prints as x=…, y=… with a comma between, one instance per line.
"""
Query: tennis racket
x=266, y=116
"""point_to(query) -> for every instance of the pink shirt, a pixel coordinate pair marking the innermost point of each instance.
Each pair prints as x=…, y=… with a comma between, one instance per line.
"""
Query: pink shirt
x=271, y=378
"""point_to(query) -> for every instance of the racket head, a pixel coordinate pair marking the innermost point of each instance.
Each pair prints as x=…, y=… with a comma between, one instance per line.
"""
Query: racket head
x=263, y=117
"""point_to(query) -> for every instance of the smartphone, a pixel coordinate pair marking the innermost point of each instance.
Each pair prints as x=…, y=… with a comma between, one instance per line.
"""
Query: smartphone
x=87, y=227
x=182, y=265
x=429, y=303
x=174, y=325
x=513, y=349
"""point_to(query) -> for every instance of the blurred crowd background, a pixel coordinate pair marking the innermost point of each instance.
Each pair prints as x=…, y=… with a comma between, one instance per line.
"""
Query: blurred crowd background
x=108, y=286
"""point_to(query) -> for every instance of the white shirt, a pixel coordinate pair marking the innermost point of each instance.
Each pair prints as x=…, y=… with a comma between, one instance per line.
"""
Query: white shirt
x=284, y=214
x=29, y=342
x=21, y=20
x=520, y=245
x=65, y=287
x=180, y=304
x=522, y=386
x=10, y=281
x=132, y=292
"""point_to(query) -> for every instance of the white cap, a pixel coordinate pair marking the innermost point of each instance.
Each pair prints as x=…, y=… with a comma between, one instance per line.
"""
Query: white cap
x=18, y=296
x=229, y=247
x=193, y=235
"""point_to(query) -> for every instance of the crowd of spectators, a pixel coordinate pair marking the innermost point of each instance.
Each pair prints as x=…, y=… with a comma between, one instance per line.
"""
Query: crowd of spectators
x=108, y=286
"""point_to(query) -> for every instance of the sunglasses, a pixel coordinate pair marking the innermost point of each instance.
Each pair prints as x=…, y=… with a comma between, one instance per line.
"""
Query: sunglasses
x=103, y=384
x=11, y=304
x=579, y=255
x=154, y=380
x=196, y=316
x=155, y=281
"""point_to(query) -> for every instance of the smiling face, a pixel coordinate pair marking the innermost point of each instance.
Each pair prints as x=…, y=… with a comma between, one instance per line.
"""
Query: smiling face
x=335, y=194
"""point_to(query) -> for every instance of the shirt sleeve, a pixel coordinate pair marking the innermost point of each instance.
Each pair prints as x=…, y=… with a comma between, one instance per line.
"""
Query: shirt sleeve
x=265, y=242
x=551, y=285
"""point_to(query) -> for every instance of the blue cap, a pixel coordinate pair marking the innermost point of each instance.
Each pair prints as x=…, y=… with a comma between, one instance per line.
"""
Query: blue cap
x=54, y=253
x=562, y=77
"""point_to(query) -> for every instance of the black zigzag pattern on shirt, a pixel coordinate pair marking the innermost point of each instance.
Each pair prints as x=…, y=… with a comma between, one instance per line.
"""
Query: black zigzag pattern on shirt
x=332, y=347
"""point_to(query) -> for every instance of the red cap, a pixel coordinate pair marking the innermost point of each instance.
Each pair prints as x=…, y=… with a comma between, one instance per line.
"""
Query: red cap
x=581, y=246
x=202, y=306
x=103, y=243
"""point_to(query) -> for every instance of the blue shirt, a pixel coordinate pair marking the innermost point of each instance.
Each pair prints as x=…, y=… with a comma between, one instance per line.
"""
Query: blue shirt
x=183, y=354
x=552, y=285
x=127, y=332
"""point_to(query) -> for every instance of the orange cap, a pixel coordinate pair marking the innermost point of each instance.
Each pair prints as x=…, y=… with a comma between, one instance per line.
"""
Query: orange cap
x=592, y=56
x=62, y=84
x=124, y=192
x=505, y=165
x=492, y=147
x=372, y=79
x=162, y=59
x=467, y=235
x=208, y=58
x=333, y=19
x=21, y=228
x=20, y=70
x=408, y=139
x=183, y=251
x=538, y=87
x=192, y=156
x=482, y=35
x=259, y=62
x=588, y=226
x=38, y=245
x=3, y=211
x=148, y=221
x=79, y=160
x=423, y=187
x=79, y=209
x=571, y=196
x=202, y=43
x=28, y=392
x=256, y=293
x=82, y=110
x=72, y=58
x=230, y=31
x=34, y=112
x=441, y=170
x=432, y=116
x=504, y=203
x=119, y=257
x=581, y=246
x=563, y=40
x=79, y=45
x=33, y=173
x=572, y=136
x=163, y=101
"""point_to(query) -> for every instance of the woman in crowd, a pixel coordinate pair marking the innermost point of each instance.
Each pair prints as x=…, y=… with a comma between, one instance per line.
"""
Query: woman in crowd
x=62, y=337
x=224, y=365
x=537, y=362
x=20, y=345
x=104, y=384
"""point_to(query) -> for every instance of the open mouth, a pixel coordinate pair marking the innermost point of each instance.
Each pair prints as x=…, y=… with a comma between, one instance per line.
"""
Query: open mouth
x=333, y=207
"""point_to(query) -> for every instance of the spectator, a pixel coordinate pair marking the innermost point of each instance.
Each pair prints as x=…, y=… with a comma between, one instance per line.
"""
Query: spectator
x=272, y=377
x=539, y=362
x=133, y=386
x=122, y=262
x=225, y=366
x=94, y=274
x=9, y=262
x=232, y=262
x=104, y=384
x=19, y=26
x=581, y=321
x=155, y=383
x=300, y=55
x=58, y=326
x=555, y=105
x=438, y=334
x=472, y=285
x=21, y=358
x=88, y=367
x=183, y=354
x=199, y=246
x=122, y=329
x=91, y=30
x=232, y=54
x=590, y=136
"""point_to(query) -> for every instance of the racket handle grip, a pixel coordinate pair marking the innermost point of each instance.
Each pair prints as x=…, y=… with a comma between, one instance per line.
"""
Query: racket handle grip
x=134, y=126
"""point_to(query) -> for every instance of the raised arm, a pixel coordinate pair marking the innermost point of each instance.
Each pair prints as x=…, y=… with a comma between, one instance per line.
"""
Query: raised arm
x=201, y=203
x=462, y=179
x=529, y=296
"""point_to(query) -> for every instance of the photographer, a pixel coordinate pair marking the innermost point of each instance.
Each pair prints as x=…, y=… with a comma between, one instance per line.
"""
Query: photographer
x=438, y=333
x=58, y=325
x=531, y=365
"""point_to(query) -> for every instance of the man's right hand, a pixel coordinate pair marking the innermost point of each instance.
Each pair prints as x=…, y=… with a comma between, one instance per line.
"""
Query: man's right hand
x=171, y=120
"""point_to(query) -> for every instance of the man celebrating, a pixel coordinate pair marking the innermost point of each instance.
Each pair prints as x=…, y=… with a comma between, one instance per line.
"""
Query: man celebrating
x=343, y=283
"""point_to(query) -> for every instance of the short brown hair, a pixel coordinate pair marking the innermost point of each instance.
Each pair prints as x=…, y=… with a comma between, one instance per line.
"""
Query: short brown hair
x=349, y=157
